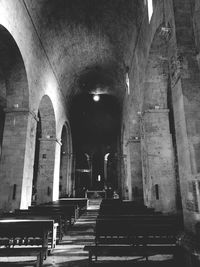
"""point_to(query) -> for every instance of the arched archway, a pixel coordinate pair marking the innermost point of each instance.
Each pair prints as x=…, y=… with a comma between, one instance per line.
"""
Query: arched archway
x=65, y=184
x=110, y=160
x=49, y=154
x=83, y=179
x=159, y=180
x=14, y=113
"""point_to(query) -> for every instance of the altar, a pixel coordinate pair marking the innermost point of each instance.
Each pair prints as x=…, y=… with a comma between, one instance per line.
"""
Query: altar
x=94, y=198
x=95, y=194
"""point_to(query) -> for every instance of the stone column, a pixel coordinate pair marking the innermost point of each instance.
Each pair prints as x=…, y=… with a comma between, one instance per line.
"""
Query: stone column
x=48, y=173
x=128, y=181
x=134, y=148
x=65, y=172
x=159, y=181
x=16, y=166
x=185, y=84
x=69, y=172
x=124, y=177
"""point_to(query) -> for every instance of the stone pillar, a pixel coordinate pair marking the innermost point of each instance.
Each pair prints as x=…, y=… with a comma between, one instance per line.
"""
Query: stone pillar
x=69, y=172
x=65, y=173
x=124, y=179
x=134, y=148
x=48, y=173
x=159, y=181
x=73, y=175
x=185, y=83
x=16, y=166
x=128, y=186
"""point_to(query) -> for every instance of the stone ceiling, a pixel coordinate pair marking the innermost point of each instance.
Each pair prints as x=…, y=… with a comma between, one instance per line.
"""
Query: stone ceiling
x=88, y=42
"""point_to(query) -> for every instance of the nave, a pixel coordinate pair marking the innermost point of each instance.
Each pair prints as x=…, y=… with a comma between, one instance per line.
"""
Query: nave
x=98, y=96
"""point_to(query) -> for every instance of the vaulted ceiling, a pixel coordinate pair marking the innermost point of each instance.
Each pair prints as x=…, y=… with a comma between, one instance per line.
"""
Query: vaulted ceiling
x=89, y=42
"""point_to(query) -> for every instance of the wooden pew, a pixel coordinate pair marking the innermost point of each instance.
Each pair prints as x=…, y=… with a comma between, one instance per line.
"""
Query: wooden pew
x=79, y=203
x=69, y=211
x=128, y=236
x=25, y=238
x=58, y=217
x=82, y=203
x=124, y=207
x=110, y=201
x=30, y=253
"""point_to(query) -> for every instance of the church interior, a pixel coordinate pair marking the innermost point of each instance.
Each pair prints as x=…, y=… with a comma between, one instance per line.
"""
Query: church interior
x=100, y=104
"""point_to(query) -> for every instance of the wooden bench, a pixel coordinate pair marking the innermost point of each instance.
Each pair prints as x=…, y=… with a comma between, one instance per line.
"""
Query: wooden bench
x=21, y=234
x=33, y=256
x=58, y=218
x=70, y=211
x=134, y=236
x=82, y=203
x=123, y=207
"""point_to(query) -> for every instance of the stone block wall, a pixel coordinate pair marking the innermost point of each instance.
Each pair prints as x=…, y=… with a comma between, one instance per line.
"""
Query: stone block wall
x=159, y=183
x=25, y=90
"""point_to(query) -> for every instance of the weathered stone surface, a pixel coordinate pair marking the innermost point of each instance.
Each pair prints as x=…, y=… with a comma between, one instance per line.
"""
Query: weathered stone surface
x=53, y=50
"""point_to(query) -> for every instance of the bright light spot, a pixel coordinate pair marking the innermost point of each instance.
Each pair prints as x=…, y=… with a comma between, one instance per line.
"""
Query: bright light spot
x=150, y=9
x=127, y=83
x=99, y=178
x=106, y=156
x=96, y=98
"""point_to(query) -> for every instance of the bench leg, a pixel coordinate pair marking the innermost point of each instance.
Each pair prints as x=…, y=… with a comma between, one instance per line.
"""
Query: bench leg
x=40, y=259
x=90, y=258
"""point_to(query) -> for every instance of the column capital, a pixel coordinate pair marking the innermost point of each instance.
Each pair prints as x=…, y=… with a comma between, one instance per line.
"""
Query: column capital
x=69, y=155
x=175, y=68
x=165, y=32
x=50, y=138
x=21, y=110
x=157, y=109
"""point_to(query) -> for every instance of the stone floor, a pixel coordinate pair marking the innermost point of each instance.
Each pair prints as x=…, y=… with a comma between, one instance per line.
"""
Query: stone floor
x=70, y=252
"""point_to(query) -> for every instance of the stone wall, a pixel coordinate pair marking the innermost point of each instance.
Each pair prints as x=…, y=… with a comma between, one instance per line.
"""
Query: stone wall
x=15, y=18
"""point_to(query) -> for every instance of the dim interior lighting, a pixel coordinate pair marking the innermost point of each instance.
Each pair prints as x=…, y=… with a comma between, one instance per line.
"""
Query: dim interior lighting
x=96, y=98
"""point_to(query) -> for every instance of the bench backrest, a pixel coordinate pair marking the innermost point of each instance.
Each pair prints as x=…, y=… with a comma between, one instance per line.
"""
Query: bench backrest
x=120, y=230
x=124, y=207
x=81, y=202
x=68, y=210
x=24, y=230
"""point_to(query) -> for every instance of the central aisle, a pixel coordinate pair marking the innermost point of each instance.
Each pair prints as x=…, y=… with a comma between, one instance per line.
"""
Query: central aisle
x=70, y=250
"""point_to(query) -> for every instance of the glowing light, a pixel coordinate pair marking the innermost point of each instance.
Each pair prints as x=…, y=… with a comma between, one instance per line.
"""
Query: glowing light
x=127, y=83
x=99, y=178
x=150, y=9
x=106, y=156
x=96, y=98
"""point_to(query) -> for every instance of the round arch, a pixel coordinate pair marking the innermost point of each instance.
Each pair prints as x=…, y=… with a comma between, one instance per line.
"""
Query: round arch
x=49, y=148
x=65, y=185
x=15, y=174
